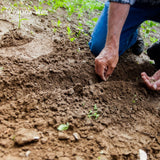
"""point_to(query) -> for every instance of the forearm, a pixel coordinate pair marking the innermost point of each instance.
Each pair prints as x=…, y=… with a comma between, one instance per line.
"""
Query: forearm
x=116, y=18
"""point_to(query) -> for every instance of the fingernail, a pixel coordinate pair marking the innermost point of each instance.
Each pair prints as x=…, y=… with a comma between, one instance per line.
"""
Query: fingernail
x=155, y=86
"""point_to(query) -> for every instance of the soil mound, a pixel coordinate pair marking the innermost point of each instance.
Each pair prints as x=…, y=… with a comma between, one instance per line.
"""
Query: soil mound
x=14, y=38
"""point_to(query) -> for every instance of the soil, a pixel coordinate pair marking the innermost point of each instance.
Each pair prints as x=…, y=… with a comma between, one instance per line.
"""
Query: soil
x=47, y=80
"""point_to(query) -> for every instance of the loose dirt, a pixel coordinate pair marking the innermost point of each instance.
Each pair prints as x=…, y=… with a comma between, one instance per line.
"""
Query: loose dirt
x=46, y=80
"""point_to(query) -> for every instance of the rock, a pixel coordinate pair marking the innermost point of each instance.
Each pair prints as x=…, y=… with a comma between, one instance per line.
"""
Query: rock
x=24, y=136
x=27, y=153
x=90, y=137
x=63, y=158
x=10, y=157
x=70, y=91
x=44, y=140
x=76, y=136
x=63, y=136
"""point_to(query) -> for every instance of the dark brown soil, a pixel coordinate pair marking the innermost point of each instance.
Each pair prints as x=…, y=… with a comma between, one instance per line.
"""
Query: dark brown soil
x=46, y=80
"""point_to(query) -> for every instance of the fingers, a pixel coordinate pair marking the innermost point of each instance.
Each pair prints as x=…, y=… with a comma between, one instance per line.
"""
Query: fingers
x=108, y=72
x=151, y=82
x=144, y=76
x=156, y=85
x=100, y=69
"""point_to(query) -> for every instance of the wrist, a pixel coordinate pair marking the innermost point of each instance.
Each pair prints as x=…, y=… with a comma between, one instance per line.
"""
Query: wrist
x=112, y=42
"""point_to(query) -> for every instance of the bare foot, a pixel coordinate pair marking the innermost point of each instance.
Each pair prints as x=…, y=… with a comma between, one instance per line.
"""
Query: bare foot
x=152, y=82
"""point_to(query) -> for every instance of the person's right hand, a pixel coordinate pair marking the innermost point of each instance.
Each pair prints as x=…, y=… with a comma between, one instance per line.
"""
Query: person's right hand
x=106, y=62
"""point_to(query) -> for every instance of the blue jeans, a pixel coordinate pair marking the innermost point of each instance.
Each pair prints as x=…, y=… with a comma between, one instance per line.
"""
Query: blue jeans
x=137, y=15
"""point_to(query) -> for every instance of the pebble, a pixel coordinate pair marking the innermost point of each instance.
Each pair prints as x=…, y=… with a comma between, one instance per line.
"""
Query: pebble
x=24, y=136
x=76, y=136
x=27, y=153
x=63, y=136
x=90, y=137
x=44, y=140
x=70, y=91
x=64, y=158
x=10, y=157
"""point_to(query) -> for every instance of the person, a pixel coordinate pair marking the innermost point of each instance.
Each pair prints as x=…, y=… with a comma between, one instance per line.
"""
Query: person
x=117, y=30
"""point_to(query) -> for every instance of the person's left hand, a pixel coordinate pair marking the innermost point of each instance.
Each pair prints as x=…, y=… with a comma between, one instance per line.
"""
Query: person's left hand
x=152, y=82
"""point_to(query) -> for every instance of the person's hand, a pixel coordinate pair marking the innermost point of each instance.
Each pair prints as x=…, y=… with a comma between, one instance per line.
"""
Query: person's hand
x=106, y=62
x=152, y=82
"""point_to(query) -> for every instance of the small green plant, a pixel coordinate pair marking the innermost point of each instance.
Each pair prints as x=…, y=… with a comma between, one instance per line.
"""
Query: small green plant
x=3, y=9
x=20, y=20
x=54, y=30
x=69, y=32
x=58, y=23
x=146, y=28
x=63, y=127
x=94, y=112
x=13, y=137
x=134, y=98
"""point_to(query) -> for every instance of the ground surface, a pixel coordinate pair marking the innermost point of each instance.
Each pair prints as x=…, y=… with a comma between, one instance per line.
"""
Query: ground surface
x=46, y=80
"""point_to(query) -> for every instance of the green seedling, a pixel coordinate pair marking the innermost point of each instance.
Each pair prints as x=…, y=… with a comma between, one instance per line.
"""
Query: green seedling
x=13, y=138
x=151, y=62
x=39, y=10
x=54, y=30
x=146, y=29
x=69, y=32
x=58, y=23
x=63, y=127
x=134, y=99
x=20, y=20
x=94, y=112
x=3, y=9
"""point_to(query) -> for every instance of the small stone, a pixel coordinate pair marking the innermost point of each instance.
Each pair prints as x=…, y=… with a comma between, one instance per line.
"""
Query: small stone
x=90, y=137
x=63, y=136
x=10, y=157
x=70, y=91
x=44, y=140
x=63, y=158
x=76, y=136
x=27, y=153
x=90, y=82
x=24, y=136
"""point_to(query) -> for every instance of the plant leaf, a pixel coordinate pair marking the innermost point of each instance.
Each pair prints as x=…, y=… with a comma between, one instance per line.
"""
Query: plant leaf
x=63, y=127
